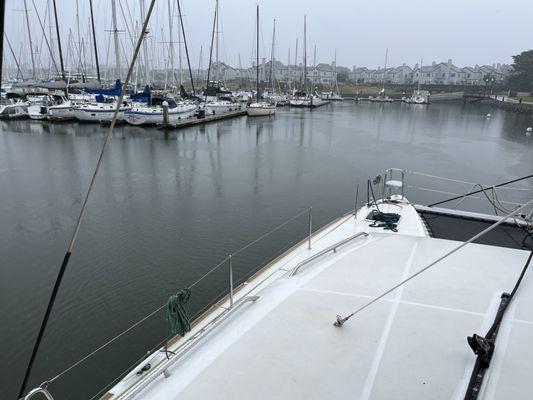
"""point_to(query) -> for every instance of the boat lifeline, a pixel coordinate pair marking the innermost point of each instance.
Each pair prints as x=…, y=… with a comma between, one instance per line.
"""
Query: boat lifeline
x=371, y=306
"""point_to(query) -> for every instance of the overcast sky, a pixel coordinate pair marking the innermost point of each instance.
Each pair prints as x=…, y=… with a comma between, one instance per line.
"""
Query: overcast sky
x=467, y=31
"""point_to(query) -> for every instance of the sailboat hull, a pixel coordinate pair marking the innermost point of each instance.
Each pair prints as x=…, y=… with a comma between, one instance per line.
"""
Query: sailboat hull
x=221, y=107
x=94, y=113
x=61, y=112
x=146, y=116
x=260, y=111
x=37, y=112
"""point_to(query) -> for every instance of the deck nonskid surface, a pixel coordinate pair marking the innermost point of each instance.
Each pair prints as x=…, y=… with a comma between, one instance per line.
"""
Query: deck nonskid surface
x=412, y=344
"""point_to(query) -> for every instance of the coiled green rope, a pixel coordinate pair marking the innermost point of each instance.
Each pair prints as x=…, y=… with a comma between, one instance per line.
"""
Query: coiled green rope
x=177, y=317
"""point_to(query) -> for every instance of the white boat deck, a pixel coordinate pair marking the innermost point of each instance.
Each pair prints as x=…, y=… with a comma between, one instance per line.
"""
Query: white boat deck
x=409, y=345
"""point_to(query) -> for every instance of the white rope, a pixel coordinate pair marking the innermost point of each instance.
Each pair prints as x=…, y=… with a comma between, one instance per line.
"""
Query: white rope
x=340, y=321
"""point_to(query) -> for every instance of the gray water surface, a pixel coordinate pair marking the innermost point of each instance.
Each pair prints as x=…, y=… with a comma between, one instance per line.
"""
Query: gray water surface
x=165, y=209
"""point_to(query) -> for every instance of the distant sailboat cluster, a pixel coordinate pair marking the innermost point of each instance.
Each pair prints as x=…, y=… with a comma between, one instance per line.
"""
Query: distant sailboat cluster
x=79, y=96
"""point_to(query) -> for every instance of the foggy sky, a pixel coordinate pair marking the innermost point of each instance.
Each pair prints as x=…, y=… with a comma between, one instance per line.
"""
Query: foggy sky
x=467, y=31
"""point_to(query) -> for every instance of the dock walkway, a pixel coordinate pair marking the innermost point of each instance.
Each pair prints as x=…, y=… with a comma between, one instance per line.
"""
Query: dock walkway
x=198, y=121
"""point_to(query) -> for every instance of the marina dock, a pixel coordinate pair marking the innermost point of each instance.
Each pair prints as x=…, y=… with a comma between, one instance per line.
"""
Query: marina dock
x=205, y=120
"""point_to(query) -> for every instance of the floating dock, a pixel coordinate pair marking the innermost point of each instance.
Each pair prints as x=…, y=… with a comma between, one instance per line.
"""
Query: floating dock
x=198, y=121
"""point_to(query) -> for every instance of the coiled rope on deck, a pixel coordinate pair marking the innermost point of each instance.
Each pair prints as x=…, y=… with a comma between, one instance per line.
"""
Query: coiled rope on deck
x=177, y=317
x=387, y=221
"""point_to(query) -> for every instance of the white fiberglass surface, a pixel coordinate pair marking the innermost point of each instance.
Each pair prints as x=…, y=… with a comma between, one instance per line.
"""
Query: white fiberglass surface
x=411, y=344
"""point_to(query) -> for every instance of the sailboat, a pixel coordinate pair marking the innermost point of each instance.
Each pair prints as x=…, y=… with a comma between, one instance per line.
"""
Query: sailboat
x=423, y=283
x=104, y=108
x=419, y=96
x=376, y=292
x=152, y=112
x=333, y=95
x=382, y=97
x=259, y=108
x=301, y=98
x=217, y=99
x=53, y=107
x=15, y=107
x=271, y=95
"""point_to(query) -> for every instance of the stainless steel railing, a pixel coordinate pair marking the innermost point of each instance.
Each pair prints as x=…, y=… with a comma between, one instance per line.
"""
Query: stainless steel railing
x=39, y=390
x=227, y=295
x=186, y=347
x=333, y=248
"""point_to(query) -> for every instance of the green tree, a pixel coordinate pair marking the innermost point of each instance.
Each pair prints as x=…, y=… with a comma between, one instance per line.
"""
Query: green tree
x=522, y=75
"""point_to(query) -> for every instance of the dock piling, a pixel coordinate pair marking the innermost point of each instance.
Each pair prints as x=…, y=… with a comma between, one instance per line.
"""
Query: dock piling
x=165, y=113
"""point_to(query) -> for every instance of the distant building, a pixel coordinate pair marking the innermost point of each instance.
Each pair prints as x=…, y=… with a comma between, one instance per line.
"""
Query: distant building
x=443, y=73
x=322, y=74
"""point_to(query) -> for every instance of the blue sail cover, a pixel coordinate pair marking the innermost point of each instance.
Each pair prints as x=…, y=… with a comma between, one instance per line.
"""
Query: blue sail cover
x=144, y=97
x=116, y=91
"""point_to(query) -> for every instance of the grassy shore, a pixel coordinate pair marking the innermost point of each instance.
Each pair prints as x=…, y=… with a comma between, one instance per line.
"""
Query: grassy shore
x=525, y=99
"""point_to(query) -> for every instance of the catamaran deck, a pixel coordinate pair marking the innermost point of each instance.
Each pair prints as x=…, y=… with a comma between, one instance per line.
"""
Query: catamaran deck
x=410, y=345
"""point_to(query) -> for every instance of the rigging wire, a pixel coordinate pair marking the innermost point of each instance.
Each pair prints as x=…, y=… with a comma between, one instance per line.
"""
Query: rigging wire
x=192, y=285
x=73, y=238
x=479, y=191
x=459, y=181
x=186, y=47
x=340, y=320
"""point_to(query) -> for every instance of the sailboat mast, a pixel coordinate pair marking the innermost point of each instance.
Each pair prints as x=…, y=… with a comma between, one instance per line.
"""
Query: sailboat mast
x=305, y=51
x=12, y=52
x=81, y=59
x=145, y=49
x=94, y=43
x=59, y=42
x=289, y=70
x=115, y=38
x=180, y=31
x=211, y=47
x=80, y=65
x=296, y=55
x=385, y=67
x=29, y=38
x=335, y=71
x=271, y=77
x=240, y=72
x=257, y=55
x=171, y=43
x=200, y=62
x=420, y=72
x=217, y=72
x=44, y=36
x=2, y=14
x=186, y=49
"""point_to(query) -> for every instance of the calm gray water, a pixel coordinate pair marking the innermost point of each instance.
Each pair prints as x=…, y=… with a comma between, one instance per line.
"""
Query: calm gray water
x=166, y=209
